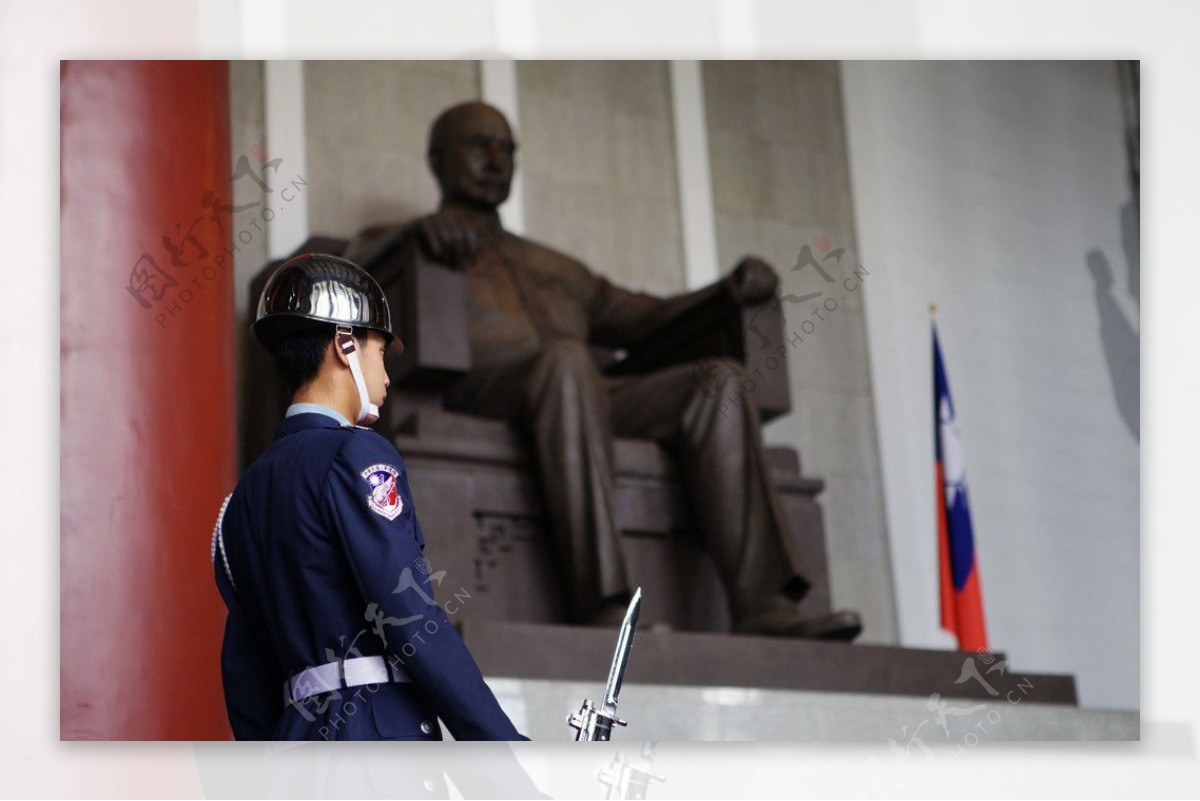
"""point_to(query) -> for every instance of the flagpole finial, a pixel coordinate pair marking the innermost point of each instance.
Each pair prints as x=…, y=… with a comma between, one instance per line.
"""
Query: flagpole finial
x=932, y=309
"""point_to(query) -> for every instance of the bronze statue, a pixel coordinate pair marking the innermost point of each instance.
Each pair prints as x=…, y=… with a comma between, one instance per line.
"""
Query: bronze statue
x=533, y=313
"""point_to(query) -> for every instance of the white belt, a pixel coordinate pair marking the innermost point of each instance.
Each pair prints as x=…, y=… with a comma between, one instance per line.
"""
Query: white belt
x=340, y=675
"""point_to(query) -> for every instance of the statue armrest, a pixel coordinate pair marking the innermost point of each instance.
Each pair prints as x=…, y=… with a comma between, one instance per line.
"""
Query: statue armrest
x=429, y=304
x=718, y=326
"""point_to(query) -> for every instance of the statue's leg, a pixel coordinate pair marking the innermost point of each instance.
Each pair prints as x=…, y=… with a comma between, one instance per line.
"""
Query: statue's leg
x=560, y=399
x=704, y=412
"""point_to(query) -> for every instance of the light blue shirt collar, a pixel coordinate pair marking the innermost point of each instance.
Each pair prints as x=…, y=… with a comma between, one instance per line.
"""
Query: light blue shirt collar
x=316, y=408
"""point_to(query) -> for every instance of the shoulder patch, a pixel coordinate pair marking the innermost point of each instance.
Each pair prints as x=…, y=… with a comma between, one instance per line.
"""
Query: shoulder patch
x=384, y=498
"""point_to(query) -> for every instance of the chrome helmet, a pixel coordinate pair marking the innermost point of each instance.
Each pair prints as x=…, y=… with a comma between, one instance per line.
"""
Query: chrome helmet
x=314, y=289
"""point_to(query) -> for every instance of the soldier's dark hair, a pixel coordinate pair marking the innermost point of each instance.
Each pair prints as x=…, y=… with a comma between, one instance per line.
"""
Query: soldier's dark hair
x=298, y=356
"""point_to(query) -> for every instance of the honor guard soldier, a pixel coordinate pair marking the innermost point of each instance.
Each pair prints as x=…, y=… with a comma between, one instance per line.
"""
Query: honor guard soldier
x=332, y=630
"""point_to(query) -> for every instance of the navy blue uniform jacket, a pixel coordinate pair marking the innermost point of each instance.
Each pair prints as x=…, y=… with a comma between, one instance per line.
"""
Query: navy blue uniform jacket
x=325, y=557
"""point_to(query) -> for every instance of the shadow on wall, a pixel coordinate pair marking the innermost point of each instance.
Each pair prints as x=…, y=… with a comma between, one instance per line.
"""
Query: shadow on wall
x=1118, y=334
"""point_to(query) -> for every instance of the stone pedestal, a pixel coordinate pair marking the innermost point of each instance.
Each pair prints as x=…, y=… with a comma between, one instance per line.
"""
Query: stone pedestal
x=912, y=731
x=583, y=654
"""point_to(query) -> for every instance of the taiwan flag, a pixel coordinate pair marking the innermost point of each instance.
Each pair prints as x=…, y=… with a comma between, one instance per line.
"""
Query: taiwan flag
x=962, y=603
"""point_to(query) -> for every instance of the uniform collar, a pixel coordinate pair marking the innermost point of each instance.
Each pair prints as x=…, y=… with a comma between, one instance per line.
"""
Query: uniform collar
x=316, y=408
x=303, y=421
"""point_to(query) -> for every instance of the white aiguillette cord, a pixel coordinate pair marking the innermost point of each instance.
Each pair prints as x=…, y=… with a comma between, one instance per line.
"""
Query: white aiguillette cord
x=368, y=412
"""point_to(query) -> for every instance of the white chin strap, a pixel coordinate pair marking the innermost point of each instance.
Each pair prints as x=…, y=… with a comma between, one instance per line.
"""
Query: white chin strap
x=368, y=412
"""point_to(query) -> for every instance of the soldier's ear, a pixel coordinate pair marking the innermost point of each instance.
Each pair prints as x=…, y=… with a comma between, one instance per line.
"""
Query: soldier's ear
x=341, y=357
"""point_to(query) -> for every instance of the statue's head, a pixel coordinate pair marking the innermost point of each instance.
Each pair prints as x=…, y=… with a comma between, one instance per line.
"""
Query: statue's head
x=470, y=152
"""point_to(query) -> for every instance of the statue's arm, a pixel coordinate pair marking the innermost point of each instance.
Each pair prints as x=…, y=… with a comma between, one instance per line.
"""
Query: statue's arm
x=372, y=245
x=620, y=317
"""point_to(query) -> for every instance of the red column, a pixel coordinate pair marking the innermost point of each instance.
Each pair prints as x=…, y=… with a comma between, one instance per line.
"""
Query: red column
x=147, y=370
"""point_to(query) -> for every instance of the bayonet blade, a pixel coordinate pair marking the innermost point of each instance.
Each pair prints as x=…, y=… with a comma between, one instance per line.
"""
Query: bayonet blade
x=616, y=673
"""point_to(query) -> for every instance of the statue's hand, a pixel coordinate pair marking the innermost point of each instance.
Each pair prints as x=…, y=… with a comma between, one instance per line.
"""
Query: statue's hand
x=754, y=281
x=452, y=237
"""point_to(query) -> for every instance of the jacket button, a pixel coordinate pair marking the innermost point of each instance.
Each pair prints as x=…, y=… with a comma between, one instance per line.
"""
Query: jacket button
x=426, y=727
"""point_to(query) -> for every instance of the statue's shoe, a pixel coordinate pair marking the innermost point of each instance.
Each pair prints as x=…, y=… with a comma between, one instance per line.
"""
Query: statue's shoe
x=785, y=621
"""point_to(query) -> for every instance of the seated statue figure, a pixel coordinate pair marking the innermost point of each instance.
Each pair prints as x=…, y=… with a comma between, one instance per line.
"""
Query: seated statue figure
x=533, y=315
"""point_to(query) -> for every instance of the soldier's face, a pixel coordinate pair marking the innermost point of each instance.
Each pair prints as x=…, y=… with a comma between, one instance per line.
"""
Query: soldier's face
x=476, y=162
x=374, y=371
